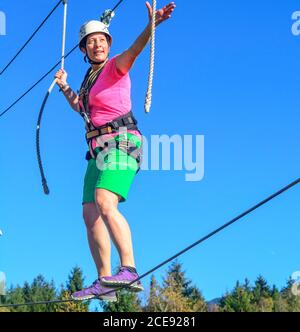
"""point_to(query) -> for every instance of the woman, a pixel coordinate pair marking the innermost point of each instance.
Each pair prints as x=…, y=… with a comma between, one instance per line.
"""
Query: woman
x=113, y=160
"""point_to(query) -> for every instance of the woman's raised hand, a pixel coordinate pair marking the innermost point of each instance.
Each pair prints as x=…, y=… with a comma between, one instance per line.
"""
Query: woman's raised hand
x=162, y=14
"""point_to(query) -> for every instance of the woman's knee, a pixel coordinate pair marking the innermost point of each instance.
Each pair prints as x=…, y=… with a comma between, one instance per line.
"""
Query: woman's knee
x=107, y=203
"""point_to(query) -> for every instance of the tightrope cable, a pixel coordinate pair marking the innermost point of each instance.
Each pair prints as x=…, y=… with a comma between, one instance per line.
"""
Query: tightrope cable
x=205, y=238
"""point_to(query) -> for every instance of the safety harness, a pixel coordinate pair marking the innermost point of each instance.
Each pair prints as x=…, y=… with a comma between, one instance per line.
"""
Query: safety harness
x=126, y=121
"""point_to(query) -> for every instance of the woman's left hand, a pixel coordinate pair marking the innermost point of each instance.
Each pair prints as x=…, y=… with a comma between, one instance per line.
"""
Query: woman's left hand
x=162, y=14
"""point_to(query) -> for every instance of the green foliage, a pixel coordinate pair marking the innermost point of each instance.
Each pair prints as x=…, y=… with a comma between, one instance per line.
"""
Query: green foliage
x=292, y=301
x=155, y=303
x=176, y=276
x=260, y=298
x=127, y=302
x=261, y=289
x=75, y=283
x=15, y=295
x=40, y=290
x=175, y=294
x=75, y=280
x=239, y=300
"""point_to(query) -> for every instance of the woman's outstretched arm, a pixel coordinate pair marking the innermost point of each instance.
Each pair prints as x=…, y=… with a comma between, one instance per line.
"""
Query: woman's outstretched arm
x=125, y=61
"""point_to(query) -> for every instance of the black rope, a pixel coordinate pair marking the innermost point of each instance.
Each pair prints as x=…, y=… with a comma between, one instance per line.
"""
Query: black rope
x=27, y=304
x=293, y=184
x=38, y=127
x=30, y=38
x=45, y=75
x=37, y=144
x=117, y=5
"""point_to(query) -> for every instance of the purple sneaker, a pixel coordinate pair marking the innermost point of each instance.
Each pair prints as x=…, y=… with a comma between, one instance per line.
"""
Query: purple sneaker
x=95, y=291
x=124, y=277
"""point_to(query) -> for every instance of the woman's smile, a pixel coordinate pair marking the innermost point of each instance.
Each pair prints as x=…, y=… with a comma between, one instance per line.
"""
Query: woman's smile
x=98, y=52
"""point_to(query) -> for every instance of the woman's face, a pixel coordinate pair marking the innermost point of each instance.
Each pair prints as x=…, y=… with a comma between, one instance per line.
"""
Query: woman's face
x=97, y=47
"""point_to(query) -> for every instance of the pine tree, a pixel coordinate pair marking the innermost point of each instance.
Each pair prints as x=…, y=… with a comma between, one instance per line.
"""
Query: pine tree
x=280, y=304
x=196, y=300
x=184, y=294
x=75, y=280
x=265, y=304
x=172, y=297
x=3, y=302
x=178, y=277
x=16, y=296
x=261, y=289
x=155, y=302
x=176, y=293
x=292, y=300
x=75, y=283
x=70, y=306
x=247, y=285
x=262, y=296
x=240, y=300
x=40, y=290
x=275, y=293
x=26, y=292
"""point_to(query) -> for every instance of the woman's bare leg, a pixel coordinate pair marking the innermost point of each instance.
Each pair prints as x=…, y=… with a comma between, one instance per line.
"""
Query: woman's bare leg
x=107, y=203
x=98, y=238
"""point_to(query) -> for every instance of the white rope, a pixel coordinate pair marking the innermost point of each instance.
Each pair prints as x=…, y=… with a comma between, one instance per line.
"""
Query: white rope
x=64, y=34
x=63, y=48
x=148, y=100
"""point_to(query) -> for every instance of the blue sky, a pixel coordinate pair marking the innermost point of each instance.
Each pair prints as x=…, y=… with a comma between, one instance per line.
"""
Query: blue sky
x=225, y=70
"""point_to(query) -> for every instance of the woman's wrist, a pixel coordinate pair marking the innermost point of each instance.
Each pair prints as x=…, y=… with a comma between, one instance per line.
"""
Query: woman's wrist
x=64, y=87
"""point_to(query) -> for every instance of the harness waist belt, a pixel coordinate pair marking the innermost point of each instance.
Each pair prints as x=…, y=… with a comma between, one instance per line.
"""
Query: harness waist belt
x=128, y=121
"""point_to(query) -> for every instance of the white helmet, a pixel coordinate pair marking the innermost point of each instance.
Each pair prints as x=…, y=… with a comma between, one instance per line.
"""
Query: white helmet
x=92, y=27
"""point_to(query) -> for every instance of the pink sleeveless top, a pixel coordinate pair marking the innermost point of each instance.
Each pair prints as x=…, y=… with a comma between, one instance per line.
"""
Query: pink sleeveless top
x=110, y=97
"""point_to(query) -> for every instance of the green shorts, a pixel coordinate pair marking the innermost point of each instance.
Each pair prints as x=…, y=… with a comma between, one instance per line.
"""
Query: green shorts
x=113, y=170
